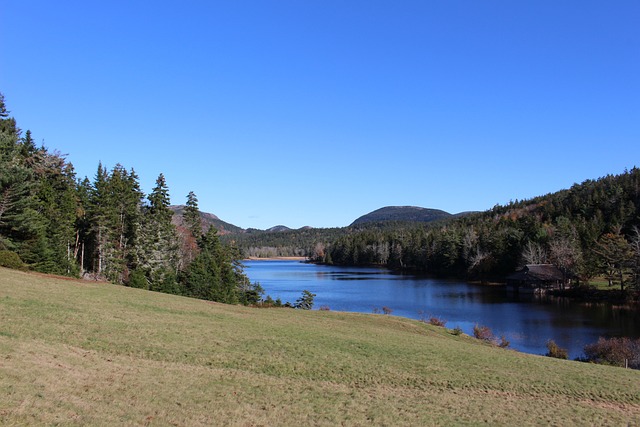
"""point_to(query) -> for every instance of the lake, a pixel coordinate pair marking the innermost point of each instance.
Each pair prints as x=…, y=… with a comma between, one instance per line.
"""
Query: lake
x=526, y=321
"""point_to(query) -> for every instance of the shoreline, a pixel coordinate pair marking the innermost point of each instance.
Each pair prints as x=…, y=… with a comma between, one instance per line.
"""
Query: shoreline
x=277, y=258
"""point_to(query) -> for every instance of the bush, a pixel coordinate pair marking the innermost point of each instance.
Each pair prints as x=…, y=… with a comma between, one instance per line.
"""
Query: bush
x=615, y=352
x=504, y=342
x=137, y=279
x=483, y=333
x=11, y=260
x=553, y=350
x=386, y=310
x=324, y=308
x=457, y=330
x=436, y=321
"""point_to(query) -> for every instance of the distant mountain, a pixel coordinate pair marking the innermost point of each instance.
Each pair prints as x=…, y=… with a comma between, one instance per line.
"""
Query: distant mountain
x=278, y=229
x=208, y=220
x=402, y=213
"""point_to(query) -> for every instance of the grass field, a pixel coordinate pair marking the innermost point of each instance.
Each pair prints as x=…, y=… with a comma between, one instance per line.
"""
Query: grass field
x=79, y=353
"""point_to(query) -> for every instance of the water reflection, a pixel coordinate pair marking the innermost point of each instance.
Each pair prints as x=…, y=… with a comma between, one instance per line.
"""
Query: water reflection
x=526, y=321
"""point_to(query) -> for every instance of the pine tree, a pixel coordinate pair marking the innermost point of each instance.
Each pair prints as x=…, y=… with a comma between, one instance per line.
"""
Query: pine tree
x=158, y=243
x=21, y=224
x=192, y=216
x=191, y=232
x=99, y=213
x=125, y=200
x=58, y=204
x=213, y=274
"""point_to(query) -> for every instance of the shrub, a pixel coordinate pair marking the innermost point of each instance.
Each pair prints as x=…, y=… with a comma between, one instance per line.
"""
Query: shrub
x=457, y=330
x=137, y=279
x=483, y=333
x=553, y=350
x=615, y=352
x=11, y=260
x=504, y=342
x=436, y=321
x=386, y=310
x=324, y=308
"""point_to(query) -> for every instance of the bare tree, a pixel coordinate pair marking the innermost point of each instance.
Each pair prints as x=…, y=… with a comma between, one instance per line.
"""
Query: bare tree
x=534, y=253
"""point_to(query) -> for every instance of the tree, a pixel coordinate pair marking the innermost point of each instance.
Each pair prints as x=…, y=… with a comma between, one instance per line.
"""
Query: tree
x=565, y=252
x=157, y=252
x=190, y=232
x=635, y=262
x=192, y=218
x=534, y=253
x=99, y=213
x=305, y=302
x=614, y=255
x=22, y=225
x=216, y=274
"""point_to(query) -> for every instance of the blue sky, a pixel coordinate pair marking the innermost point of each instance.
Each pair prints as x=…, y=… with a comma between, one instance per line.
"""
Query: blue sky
x=316, y=112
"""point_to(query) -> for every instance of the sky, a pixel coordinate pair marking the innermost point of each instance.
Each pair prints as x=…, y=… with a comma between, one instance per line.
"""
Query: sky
x=313, y=113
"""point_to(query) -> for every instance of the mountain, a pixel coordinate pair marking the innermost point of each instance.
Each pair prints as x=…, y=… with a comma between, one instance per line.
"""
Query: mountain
x=278, y=229
x=402, y=213
x=208, y=220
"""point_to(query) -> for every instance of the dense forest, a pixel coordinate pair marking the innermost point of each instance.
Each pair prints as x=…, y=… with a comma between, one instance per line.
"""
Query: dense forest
x=591, y=229
x=106, y=228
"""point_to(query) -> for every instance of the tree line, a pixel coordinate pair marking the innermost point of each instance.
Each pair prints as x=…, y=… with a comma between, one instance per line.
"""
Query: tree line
x=591, y=229
x=107, y=228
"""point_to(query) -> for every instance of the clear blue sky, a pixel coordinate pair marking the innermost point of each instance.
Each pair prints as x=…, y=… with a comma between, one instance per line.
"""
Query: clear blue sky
x=316, y=112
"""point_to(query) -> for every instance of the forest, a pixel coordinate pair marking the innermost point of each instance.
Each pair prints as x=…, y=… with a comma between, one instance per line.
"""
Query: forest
x=106, y=228
x=589, y=230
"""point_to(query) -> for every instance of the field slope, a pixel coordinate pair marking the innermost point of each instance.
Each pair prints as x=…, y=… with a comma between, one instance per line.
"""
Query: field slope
x=73, y=352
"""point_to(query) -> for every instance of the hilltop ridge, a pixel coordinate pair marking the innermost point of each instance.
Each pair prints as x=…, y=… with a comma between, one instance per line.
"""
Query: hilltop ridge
x=402, y=213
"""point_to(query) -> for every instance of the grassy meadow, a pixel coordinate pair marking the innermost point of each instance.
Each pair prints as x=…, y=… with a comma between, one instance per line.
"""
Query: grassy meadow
x=82, y=353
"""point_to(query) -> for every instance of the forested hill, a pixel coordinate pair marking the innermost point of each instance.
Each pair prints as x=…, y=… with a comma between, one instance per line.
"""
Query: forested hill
x=590, y=229
x=207, y=219
x=107, y=228
x=402, y=213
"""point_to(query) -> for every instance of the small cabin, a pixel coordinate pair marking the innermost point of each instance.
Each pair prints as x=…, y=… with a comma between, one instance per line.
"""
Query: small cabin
x=538, y=278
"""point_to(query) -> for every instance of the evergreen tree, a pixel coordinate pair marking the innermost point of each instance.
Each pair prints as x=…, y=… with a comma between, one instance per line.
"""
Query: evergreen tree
x=192, y=218
x=158, y=243
x=217, y=274
x=58, y=204
x=99, y=214
x=191, y=233
x=115, y=211
x=21, y=224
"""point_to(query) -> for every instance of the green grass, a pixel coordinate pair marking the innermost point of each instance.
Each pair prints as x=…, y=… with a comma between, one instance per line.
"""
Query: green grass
x=74, y=352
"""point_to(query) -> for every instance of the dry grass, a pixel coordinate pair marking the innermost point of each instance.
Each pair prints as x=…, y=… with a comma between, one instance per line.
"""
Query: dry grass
x=73, y=352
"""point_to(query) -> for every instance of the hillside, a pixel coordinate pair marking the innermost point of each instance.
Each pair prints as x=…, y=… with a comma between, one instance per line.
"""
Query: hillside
x=402, y=213
x=82, y=353
x=208, y=220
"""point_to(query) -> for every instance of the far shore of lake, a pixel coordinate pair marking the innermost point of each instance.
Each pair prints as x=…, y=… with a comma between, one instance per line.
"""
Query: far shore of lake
x=277, y=258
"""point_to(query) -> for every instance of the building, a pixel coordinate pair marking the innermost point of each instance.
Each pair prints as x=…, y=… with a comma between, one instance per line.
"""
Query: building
x=538, y=278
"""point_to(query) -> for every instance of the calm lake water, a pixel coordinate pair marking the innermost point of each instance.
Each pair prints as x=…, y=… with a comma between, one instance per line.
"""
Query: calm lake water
x=527, y=322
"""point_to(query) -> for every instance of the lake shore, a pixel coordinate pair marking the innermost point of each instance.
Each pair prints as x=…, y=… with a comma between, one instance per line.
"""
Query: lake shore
x=277, y=258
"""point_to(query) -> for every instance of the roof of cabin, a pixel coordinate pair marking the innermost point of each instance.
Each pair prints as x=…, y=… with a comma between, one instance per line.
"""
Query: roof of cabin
x=538, y=272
